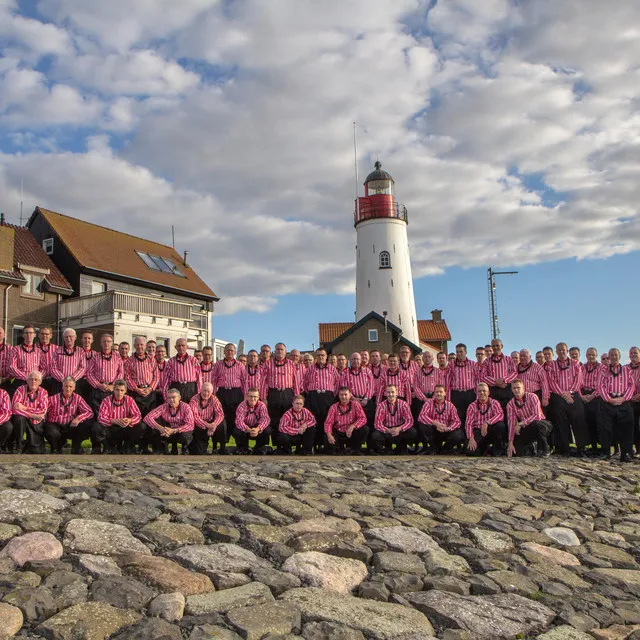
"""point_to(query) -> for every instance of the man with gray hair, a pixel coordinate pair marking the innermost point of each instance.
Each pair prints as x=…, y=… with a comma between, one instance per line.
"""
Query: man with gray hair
x=171, y=423
x=68, y=416
x=68, y=361
x=30, y=404
x=119, y=422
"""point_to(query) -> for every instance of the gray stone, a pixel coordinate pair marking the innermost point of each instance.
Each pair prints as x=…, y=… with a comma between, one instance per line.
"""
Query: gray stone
x=317, y=569
x=562, y=536
x=439, y=562
x=36, y=604
x=353, y=551
x=277, y=581
x=405, y=539
x=485, y=617
x=325, y=630
x=376, y=620
x=122, y=592
x=11, y=620
x=172, y=534
x=131, y=516
x=150, y=629
x=565, y=632
x=67, y=588
x=625, y=579
x=32, y=547
x=272, y=619
x=213, y=632
x=16, y=503
x=262, y=482
x=445, y=583
x=8, y=531
x=168, y=606
x=492, y=541
x=373, y=591
x=226, y=580
x=396, y=561
x=512, y=582
x=251, y=594
x=221, y=533
x=101, y=538
x=49, y=522
x=218, y=557
x=99, y=566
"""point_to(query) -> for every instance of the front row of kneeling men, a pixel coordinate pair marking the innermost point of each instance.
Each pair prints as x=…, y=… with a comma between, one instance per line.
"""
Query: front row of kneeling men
x=120, y=426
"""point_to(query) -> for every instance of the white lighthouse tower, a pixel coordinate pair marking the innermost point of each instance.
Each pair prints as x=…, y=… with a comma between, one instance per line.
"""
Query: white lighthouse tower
x=383, y=274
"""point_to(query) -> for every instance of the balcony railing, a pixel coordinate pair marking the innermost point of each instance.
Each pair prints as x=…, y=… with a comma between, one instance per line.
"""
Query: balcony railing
x=119, y=301
x=368, y=210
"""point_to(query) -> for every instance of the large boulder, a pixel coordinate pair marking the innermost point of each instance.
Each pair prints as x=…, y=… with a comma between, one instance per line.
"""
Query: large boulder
x=317, y=569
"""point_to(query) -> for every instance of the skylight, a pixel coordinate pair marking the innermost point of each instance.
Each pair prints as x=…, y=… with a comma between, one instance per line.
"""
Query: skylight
x=156, y=263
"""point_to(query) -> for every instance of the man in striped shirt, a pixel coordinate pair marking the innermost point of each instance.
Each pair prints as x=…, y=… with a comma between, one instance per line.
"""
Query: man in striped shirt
x=566, y=406
x=539, y=358
x=265, y=354
x=103, y=370
x=206, y=365
x=86, y=343
x=280, y=383
x=182, y=373
x=297, y=429
x=393, y=424
x=47, y=351
x=6, y=426
x=124, y=348
x=634, y=366
x=252, y=423
x=364, y=357
x=463, y=378
x=229, y=378
x=407, y=364
x=320, y=386
x=346, y=425
x=25, y=358
x=161, y=358
x=171, y=424
x=439, y=423
x=151, y=348
x=591, y=371
x=480, y=356
x=119, y=425
x=68, y=417
x=615, y=423
x=498, y=372
x=141, y=376
x=341, y=363
x=484, y=425
x=254, y=373
x=526, y=422
x=574, y=354
x=399, y=378
x=209, y=422
x=424, y=383
x=533, y=376
x=30, y=404
x=5, y=362
x=69, y=361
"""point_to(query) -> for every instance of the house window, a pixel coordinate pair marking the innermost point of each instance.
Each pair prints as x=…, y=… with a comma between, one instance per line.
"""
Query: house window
x=98, y=287
x=167, y=344
x=385, y=260
x=47, y=245
x=16, y=335
x=31, y=288
x=156, y=263
x=373, y=335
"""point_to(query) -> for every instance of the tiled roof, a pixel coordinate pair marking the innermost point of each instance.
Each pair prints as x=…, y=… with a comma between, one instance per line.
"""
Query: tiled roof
x=113, y=252
x=29, y=253
x=430, y=330
x=329, y=331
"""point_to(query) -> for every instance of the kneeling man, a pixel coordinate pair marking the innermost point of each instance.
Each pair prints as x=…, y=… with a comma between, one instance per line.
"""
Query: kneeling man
x=119, y=422
x=297, y=428
x=252, y=423
x=209, y=422
x=439, y=423
x=527, y=423
x=68, y=417
x=171, y=423
x=484, y=423
x=393, y=424
x=346, y=425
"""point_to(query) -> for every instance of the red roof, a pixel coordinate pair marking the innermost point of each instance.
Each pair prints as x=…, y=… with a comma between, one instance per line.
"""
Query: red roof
x=428, y=330
x=329, y=331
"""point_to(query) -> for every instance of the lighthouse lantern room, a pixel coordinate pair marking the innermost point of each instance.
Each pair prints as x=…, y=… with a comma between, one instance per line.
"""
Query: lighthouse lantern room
x=384, y=283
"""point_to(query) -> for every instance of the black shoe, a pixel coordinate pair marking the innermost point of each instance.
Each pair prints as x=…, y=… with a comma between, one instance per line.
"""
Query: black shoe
x=241, y=451
x=626, y=457
x=76, y=451
x=605, y=456
x=96, y=450
x=260, y=451
x=185, y=451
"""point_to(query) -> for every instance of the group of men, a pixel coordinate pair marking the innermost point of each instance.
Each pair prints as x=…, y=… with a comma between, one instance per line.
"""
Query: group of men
x=148, y=402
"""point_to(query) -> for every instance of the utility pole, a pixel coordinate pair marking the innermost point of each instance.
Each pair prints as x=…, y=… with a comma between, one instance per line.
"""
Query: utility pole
x=491, y=278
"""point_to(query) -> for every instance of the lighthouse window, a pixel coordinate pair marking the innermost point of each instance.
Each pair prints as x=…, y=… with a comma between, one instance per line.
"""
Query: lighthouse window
x=385, y=260
x=373, y=335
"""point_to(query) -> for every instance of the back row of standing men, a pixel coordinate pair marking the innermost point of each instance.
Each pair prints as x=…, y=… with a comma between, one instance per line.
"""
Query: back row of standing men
x=455, y=401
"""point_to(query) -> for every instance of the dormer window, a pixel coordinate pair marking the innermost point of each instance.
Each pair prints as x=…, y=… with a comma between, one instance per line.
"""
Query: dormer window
x=385, y=260
x=156, y=263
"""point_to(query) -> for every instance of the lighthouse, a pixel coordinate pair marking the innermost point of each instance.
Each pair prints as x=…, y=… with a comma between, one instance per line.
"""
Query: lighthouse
x=383, y=273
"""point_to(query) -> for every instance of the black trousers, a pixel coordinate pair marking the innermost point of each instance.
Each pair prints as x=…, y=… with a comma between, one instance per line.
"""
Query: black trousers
x=461, y=400
x=115, y=438
x=538, y=431
x=50, y=385
x=83, y=388
x=591, y=412
x=319, y=403
x=381, y=440
x=615, y=424
x=200, y=443
x=439, y=439
x=146, y=404
x=567, y=417
x=96, y=398
x=230, y=399
x=278, y=403
x=496, y=436
x=305, y=441
x=636, y=425
x=7, y=441
x=34, y=432
x=355, y=442
x=58, y=434
x=242, y=438
x=187, y=390
x=13, y=386
x=502, y=396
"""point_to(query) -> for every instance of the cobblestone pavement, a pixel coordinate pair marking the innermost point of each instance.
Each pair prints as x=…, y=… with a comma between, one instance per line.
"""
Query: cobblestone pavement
x=342, y=549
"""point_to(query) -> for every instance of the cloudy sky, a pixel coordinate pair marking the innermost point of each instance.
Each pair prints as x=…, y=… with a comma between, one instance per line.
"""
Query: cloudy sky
x=510, y=127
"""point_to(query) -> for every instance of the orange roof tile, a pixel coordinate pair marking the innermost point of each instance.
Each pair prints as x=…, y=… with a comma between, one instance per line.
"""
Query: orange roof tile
x=429, y=330
x=329, y=331
x=114, y=252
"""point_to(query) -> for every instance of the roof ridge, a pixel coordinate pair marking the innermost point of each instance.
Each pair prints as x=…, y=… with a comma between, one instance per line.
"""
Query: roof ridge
x=99, y=226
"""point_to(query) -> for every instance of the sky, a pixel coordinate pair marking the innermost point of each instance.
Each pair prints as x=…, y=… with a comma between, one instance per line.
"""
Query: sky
x=511, y=129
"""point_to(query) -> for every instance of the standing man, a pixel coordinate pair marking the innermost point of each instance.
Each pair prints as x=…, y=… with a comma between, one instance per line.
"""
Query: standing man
x=442, y=361
x=407, y=364
x=574, y=354
x=68, y=416
x=484, y=424
x=341, y=363
x=616, y=388
x=209, y=423
x=206, y=365
x=533, y=377
x=297, y=429
x=280, y=384
x=254, y=374
x=439, y=424
x=463, y=379
x=47, y=351
x=5, y=362
x=197, y=354
x=591, y=371
x=229, y=378
x=6, y=426
x=547, y=355
x=397, y=377
x=70, y=361
x=499, y=371
x=142, y=377
x=118, y=424
x=103, y=370
x=25, y=358
x=30, y=404
x=393, y=424
x=265, y=354
x=364, y=358
x=151, y=348
x=634, y=366
x=320, y=386
x=182, y=373
x=346, y=425
x=526, y=422
x=252, y=423
x=172, y=424
x=480, y=356
x=424, y=383
x=161, y=358
x=124, y=348
x=566, y=406
x=539, y=358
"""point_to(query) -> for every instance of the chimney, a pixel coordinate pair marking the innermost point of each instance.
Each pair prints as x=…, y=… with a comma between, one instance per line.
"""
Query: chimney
x=1, y=219
x=184, y=261
x=436, y=315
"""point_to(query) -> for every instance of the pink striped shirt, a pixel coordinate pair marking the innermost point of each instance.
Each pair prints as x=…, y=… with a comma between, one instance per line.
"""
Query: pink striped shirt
x=393, y=415
x=376, y=377
x=46, y=358
x=321, y=378
x=180, y=418
x=206, y=415
x=591, y=376
x=254, y=380
x=616, y=382
x=464, y=376
x=24, y=360
x=358, y=381
x=68, y=363
x=5, y=406
x=292, y=421
x=141, y=373
x=248, y=418
x=63, y=410
x=525, y=412
x=400, y=379
x=410, y=367
x=104, y=369
x=478, y=413
x=88, y=355
x=534, y=378
x=635, y=372
x=426, y=379
x=6, y=355
x=111, y=410
x=206, y=369
x=280, y=375
x=498, y=367
x=342, y=417
x=565, y=376
x=180, y=370
x=37, y=402
x=446, y=413
x=227, y=375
